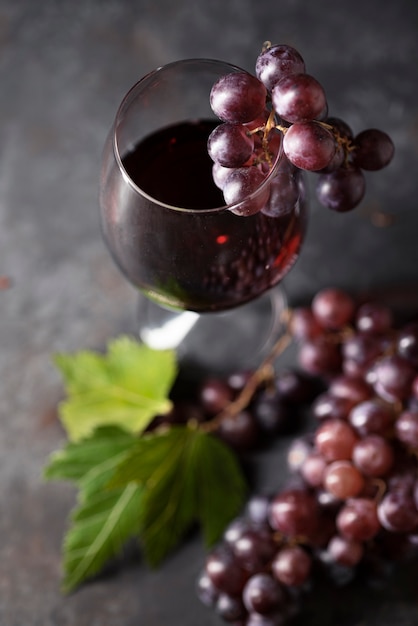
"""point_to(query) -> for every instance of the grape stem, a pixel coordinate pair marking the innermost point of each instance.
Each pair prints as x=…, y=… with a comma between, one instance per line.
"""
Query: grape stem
x=264, y=373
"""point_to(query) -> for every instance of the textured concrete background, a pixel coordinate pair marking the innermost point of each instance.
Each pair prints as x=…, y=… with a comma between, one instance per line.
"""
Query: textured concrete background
x=64, y=67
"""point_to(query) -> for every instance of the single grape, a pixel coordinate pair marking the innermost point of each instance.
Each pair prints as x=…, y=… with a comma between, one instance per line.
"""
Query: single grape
x=263, y=594
x=345, y=551
x=303, y=324
x=374, y=456
x=284, y=195
x=230, y=145
x=397, y=512
x=292, y=566
x=295, y=388
x=214, y=395
x=299, y=451
x=407, y=343
x=294, y=512
x=392, y=378
x=341, y=190
x=299, y=98
x=374, y=318
x=205, y=590
x=238, y=97
x=319, y=356
x=360, y=351
x=254, y=548
x=406, y=429
x=235, y=529
x=371, y=417
x=343, y=480
x=313, y=469
x=224, y=572
x=358, y=520
x=278, y=61
x=352, y=388
x=239, y=431
x=335, y=440
x=340, y=128
x=270, y=412
x=333, y=308
x=328, y=406
x=241, y=189
x=230, y=608
x=220, y=174
x=309, y=146
x=257, y=508
x=373, y=149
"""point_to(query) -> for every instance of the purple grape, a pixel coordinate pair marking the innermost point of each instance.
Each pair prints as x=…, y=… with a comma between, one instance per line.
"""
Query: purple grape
x=299, y=98
x=351, y=388
x=292, y=566
x=270, y=412
x=299, y=451
x=374, y=456
x=240, y=189
x=407, y=343
x=220, y=174
x=278, y=61
x=214, y=395
x=263, y=594
x=254, y=548
x=239, y=431
x=374, y=149
x=319, y=356
x=257, y=508
x=345, y=551
x=284, y=194
x=238, y=97
x=392, y=377
x=224, y=572
x=230, y=608
x=335, y=440
x=313, y=469
x=371, y=417
x=406, y=428
x=328, y=406
x=397, y=512
x=205, y=590
x=294, y=512
x=340, y=128
x=358, y=520
x=333, y=308
x=373, y=318
x=341, y=190
x=309, y=146
x=230, y=145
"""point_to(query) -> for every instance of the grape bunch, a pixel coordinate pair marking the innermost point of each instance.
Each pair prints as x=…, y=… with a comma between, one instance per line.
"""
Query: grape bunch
x=351, y=503
x=284, y=107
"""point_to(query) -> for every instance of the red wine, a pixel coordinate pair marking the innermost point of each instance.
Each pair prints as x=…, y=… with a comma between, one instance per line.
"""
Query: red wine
x=195, y=257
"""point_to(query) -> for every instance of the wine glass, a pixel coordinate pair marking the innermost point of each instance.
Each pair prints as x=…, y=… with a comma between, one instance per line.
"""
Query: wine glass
x=205, y=273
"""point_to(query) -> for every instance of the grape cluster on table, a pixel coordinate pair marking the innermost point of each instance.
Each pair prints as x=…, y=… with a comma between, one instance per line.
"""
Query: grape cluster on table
x=284, y=106
x=352, y=498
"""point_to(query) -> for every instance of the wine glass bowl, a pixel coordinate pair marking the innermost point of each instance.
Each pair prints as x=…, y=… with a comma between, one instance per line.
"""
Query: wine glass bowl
x=164, y=219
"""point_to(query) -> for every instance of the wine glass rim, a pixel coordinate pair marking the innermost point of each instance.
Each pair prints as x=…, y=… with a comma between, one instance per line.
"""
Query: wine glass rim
x=234, y=207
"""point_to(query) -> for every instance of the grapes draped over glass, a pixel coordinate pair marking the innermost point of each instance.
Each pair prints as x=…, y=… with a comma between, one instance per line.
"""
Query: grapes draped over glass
x=165, y=220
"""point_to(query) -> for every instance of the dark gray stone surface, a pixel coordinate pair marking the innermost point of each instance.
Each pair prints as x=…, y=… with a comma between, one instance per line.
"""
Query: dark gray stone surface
x=64, y=67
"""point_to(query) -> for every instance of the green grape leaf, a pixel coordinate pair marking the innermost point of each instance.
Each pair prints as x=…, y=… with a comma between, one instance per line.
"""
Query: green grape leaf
x=126, y=387
x=104, y=518
x=188, y=477
x=101, y=524
x=90, y=463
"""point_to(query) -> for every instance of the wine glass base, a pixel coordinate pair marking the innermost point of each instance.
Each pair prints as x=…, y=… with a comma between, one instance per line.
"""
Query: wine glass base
x=219, y=342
